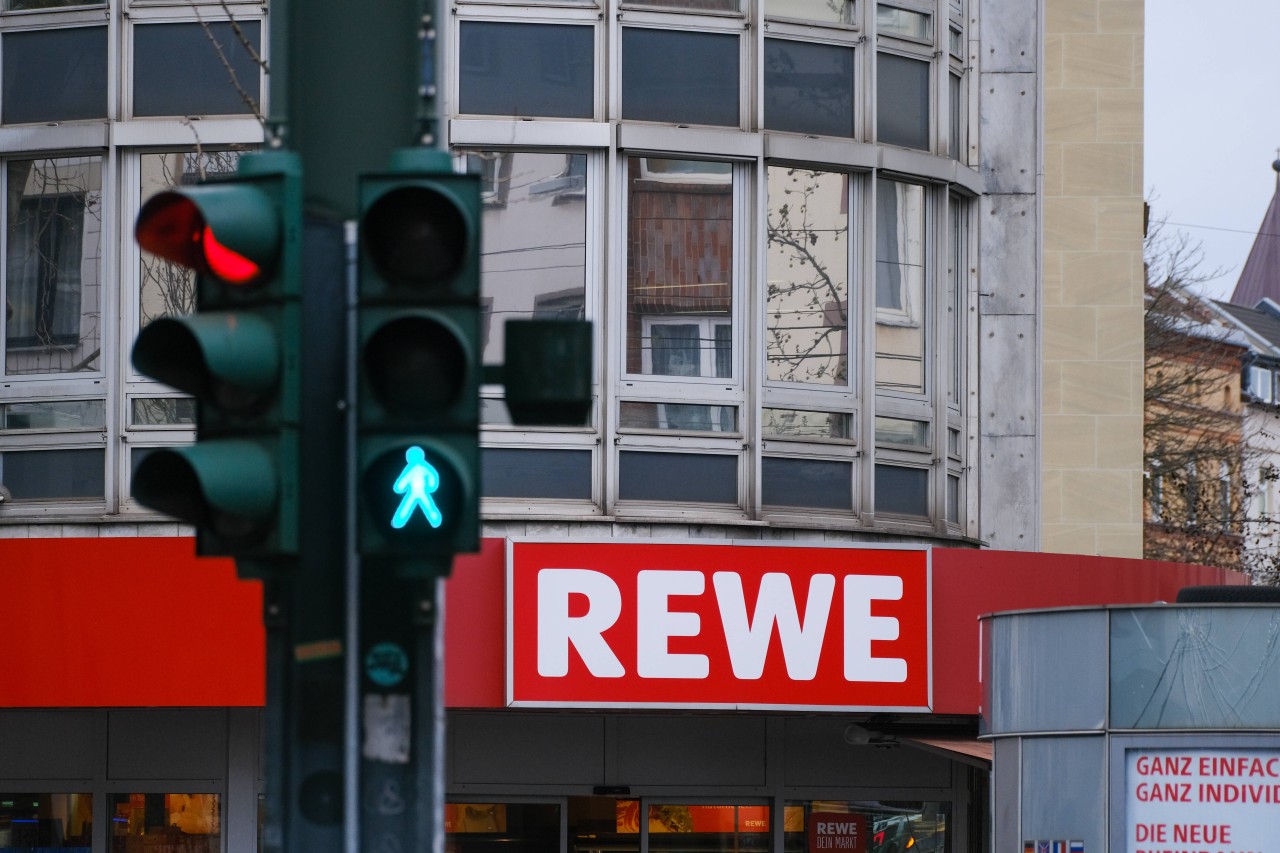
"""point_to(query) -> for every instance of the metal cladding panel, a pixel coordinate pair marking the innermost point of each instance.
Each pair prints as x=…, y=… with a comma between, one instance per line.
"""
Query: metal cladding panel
x=26, y=738
x=167, y=743
x=517, y=749
x=698, y=751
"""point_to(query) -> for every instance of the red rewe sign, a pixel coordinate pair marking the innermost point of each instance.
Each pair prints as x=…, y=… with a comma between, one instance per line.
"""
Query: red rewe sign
x=719, y=625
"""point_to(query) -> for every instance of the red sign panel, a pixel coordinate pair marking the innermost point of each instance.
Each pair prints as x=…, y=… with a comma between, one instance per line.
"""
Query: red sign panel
x=717, y=626
x=830, y=832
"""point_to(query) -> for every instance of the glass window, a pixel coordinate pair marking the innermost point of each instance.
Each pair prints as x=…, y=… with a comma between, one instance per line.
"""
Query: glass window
x=808, y=88
x=806, y=425
x=542, y=473
x=691, y=417
x=901, y=490
x=162, y=411
x=533, y=252
x=207, y=68
x=511, y=69
x=817, y=483
x=701, y=67
x=52, y=265
x=166, y=288
x=953, y=498
x=902, y=101
x=191, y=823
x=701, y=478
x=957, y=291
x=33, y=475
x=958, y=138
x=53, y=415
x=46, y=821
x=807, y=298
x=892, y=21
x=488, y=827
x=54, y=75
x=1260, y=383
x=693, y=5
x=881, y=827
x=19, y=5
x=817, y=11
x=902, y=433
x=679, y=268
x=900, y=310
x=708, y=828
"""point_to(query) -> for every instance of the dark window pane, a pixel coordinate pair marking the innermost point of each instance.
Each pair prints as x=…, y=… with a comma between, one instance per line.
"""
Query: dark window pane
x=32, y=475
x=953, y=499
x=510, y=473
x=808, y=88
x=902, y=101
x=55, y=75
x=807, y=483
x=900, y=490
x=33, y=822
x=682, y=78
x=179, y=71
x=526, y=69
x=677, y=477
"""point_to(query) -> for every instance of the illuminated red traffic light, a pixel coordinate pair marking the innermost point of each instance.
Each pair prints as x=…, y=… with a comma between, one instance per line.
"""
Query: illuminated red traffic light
x=228, y=232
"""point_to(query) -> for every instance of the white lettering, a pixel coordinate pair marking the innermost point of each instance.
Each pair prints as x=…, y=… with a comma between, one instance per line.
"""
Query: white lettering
x=748, y=641
x=557, y=630
x=656, y=624
x=860, y=628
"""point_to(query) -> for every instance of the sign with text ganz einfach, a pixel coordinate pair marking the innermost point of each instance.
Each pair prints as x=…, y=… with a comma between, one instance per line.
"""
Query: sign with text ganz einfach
x=1202, y=800
x=717, y=625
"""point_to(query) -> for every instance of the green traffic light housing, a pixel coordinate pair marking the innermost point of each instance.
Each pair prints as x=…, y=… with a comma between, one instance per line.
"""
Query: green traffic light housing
x=237, y=355
x=418, y=372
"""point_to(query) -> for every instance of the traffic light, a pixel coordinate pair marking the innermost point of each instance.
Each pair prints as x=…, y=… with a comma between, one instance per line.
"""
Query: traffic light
x=237, y=355
x=418, y=353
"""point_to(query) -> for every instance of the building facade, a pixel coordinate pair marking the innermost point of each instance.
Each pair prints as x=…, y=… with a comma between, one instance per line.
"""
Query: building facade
x=862, y=276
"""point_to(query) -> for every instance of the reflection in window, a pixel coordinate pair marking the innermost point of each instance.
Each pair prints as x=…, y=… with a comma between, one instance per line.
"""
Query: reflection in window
x=804, y=425
x=807, y=308
x=900, y=337
x=888, y=826
x=533, y=250
x=902, y=433
x=54, y=415
x=485, y=827
x=162, y=411
x=690, y=417
x=818, y=11
x=808, y=88
x=52, y=265
x=46, y=821
x=166, y=289
x=892, y=21
x=680, y=268
x=190, y=823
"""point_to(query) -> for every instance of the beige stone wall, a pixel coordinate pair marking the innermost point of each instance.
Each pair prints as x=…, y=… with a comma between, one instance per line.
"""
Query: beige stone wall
x=1093, y=194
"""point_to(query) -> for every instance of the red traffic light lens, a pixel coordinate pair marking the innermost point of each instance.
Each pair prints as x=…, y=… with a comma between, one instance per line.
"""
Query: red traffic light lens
x=172, y=226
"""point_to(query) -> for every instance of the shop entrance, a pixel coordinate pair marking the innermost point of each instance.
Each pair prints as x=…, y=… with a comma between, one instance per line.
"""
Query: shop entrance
x=655, y=825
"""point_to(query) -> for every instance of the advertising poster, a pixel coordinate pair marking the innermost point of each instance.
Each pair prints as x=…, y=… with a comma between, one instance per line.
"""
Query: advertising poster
x=1202, y=800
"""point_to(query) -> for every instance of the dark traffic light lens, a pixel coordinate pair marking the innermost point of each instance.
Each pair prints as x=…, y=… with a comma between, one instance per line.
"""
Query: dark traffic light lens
x=416, y=237
x=415, y=365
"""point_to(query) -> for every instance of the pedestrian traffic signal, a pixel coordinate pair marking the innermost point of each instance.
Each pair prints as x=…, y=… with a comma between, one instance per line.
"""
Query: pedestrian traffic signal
x=237, y=355
x=419, y=362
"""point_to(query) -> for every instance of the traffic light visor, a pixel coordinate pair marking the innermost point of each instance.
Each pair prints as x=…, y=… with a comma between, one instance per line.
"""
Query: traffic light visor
x=231, y=232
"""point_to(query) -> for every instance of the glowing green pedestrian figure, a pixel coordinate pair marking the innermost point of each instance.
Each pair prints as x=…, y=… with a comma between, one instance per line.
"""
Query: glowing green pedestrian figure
x=417, y=482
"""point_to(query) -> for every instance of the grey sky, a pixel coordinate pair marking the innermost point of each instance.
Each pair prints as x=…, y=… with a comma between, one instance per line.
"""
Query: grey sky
x=1213, y=122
